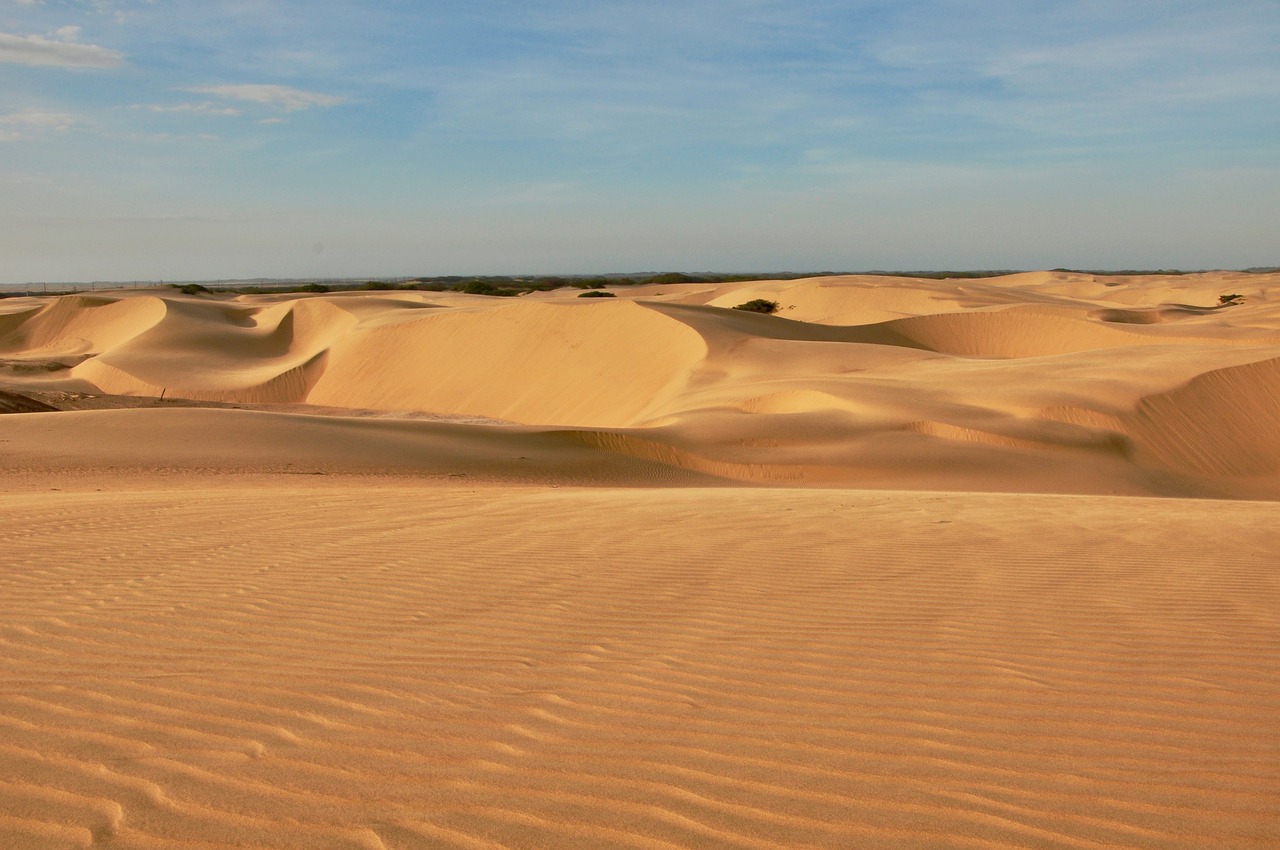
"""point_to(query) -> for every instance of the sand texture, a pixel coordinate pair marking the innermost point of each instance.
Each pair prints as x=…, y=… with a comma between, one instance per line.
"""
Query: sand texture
x=911, y=564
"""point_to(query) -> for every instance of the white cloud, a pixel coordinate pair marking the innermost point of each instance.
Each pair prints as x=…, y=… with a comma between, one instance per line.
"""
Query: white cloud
x=22, y=125
x=285, y=97
x=38, y=50
x=201, y=108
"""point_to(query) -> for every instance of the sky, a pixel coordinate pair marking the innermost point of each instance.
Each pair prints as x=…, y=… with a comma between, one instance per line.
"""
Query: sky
x=183, y=140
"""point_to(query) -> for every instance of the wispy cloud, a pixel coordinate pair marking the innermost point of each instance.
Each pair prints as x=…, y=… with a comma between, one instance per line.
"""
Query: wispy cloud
x=64, y=53
x=284, y=97
x=23, y=125
x=201, y=108
x=537, y=117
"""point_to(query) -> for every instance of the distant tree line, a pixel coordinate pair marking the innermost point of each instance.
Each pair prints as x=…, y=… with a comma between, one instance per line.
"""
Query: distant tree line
x=511, y=285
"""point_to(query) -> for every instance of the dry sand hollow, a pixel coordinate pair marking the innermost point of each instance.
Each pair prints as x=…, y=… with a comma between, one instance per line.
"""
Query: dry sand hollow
x=895, y=568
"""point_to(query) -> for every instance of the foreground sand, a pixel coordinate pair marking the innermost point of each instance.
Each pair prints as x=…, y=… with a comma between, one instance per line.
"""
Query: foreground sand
x=461, y=572
x=350, y=663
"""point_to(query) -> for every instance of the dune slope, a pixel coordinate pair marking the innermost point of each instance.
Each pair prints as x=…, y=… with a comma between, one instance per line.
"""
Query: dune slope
x=1042, y=382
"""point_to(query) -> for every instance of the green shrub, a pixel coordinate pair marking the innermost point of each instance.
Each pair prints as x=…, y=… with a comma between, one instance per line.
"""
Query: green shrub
x=596, y=293
x=1227, y=300
x=759, y=305
x=313, y=287
x=193, y=289
x=673, y=277
x=480, y=287
x=379, y=285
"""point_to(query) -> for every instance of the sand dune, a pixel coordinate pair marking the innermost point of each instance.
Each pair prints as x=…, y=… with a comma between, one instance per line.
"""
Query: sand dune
x=80, y=324
x=895, y=567
x=538, y=363
x=1042, y=382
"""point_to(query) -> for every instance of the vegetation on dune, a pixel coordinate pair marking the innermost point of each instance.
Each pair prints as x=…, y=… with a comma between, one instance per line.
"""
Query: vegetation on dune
x=482, y=287
x=595, y=293
x=519, y=285
x=1229, y=300
x=759, y=305
x=1128, y=272
x=950, y=275
x=512, y=285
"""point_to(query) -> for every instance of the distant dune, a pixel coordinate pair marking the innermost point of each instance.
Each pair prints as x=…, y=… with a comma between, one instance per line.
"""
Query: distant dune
x=1041, y=382
x=897, y=567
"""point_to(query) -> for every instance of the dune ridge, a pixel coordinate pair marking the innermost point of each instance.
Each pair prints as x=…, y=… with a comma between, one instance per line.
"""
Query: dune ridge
x=964, y=373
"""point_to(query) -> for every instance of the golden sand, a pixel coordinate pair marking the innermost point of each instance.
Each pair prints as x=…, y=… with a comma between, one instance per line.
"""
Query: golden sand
x=898, y=567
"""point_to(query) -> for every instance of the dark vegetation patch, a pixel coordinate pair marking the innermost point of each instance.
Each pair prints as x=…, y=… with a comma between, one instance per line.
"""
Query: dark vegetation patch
x=758, y=305
x=506, y=286
x=509, y=285
x=950, y=275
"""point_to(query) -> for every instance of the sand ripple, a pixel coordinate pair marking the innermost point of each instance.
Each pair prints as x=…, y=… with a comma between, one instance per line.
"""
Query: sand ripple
x=426, y=667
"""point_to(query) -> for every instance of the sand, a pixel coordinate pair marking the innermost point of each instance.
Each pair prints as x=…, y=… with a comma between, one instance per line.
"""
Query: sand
x=913, y=563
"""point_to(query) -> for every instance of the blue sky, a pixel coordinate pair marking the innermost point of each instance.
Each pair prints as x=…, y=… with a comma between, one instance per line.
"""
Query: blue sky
x=167, y=139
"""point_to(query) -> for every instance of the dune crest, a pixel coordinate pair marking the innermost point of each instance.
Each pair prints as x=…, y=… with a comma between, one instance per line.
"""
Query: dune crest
x=1128, y=381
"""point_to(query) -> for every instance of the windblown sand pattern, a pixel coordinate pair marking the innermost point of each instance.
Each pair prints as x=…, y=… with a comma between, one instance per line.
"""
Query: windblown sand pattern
x=498, y=667
x=898, y=568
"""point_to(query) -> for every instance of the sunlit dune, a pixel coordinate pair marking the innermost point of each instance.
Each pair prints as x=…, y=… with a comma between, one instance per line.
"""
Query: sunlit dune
x=973, y=375
x=982, y=563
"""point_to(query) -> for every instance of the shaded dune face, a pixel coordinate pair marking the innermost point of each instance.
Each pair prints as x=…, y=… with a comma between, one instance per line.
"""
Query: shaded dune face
x=1012, y=332
x=78, y=324
x=1051, y=382
x=1224, y=422
x=215, y=353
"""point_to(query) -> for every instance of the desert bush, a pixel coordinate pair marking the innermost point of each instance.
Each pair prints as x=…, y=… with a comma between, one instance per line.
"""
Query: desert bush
x=674, y=277
x=1226, y=300
x=480, y=287
x=313, y=287
x=759, y=305
x=596, y=293
x=193, y=289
